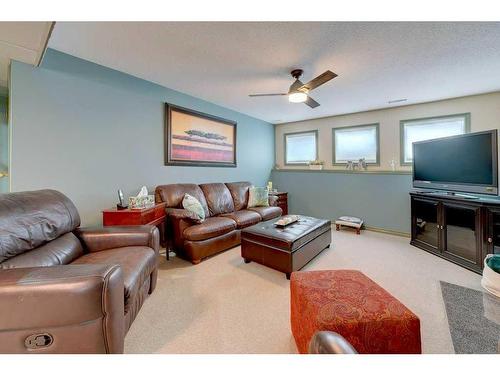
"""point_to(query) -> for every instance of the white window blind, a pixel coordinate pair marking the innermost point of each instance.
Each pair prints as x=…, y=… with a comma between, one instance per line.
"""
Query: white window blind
x=300, y=147
x=424, y=129
x=354, y=143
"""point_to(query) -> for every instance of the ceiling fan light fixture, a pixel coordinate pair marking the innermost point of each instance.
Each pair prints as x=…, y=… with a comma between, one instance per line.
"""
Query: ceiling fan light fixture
x=299, y=92
x=297, y=97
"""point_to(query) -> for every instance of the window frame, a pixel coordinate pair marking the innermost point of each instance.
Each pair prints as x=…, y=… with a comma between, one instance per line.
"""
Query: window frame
x=402, y=124
x=315, y=132
x=377, y=131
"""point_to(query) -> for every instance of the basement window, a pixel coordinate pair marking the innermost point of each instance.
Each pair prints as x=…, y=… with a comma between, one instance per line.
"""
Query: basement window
x=301, y=147
x=352, y=143
x=429, y=128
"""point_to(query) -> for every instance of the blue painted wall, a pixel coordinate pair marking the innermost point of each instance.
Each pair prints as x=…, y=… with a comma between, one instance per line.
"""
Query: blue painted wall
x=381, y=200
x=87, y=130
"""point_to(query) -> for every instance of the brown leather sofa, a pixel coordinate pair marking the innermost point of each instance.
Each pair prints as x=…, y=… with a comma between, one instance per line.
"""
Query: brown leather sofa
x=226, y=214
x=65, y=289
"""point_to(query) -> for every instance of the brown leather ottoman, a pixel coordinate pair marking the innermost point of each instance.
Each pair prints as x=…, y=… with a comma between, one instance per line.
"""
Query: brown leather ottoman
x=285, y=249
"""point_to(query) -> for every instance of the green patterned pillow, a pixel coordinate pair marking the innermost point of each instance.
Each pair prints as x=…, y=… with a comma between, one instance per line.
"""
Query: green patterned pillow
x=258, y=197
x=192, y=204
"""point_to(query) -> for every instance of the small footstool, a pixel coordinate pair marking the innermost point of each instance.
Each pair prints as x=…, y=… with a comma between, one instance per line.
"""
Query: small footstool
x=352, y=305
x=349, y=221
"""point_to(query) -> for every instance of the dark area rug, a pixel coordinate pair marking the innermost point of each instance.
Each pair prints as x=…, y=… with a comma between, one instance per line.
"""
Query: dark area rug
x=473, y=318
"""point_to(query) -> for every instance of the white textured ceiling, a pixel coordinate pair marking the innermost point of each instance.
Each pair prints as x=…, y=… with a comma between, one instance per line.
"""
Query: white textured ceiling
x=21, y=41
x=224, y=62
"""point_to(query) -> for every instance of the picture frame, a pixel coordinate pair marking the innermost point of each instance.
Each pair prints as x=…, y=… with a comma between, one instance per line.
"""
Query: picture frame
x=198, y=139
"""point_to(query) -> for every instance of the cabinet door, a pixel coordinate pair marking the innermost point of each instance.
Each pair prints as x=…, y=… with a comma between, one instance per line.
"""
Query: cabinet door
x=425, y=223
x=461, y=234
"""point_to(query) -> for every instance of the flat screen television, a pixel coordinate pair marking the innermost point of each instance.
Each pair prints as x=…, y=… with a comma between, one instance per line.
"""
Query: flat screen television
x=465, y=163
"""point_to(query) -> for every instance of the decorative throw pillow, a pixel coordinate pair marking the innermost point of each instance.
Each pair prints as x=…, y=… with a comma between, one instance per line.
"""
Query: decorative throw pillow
x=258, y=197
x=193, y=205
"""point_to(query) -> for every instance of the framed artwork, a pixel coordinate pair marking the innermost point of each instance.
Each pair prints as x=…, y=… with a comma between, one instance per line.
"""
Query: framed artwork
x=196, y=139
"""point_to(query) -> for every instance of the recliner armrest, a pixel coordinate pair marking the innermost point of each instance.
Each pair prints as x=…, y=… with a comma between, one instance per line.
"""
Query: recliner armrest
x=327, y=342
x=72, y=308
x=98, y=239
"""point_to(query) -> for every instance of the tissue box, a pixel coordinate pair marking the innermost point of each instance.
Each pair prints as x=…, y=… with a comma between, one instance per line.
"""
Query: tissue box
x=141, y=202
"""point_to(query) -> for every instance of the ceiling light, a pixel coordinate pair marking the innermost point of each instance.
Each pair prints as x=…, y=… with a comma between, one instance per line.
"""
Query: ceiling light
x=297, y=97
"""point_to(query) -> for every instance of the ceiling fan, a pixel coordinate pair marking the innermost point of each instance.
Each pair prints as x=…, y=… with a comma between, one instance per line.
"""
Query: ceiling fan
x=299, y=92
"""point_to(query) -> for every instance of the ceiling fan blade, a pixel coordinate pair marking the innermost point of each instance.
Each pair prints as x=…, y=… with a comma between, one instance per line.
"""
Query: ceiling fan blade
x=318, y=81
x=252, y=95
x=311, y=102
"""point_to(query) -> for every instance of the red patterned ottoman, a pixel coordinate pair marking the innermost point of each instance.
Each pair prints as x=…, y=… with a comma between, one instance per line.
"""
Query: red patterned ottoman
x=351, y=304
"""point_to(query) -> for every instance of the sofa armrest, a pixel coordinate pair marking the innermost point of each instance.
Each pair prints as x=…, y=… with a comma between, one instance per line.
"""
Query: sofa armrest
x=178, y=220
x=182, y=214
x=98, y=239
x=273, y=200
x=327, y=342
x=62, y=309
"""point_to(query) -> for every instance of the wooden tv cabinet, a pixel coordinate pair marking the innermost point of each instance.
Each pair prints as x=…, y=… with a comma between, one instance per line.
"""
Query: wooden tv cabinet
x=455, y=227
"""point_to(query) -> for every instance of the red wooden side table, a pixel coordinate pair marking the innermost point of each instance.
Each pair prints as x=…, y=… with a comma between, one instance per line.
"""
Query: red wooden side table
x=138, y=216
x=282, y=201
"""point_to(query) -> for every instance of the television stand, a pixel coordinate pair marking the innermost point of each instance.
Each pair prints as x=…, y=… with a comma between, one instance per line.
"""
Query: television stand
x=460, y=229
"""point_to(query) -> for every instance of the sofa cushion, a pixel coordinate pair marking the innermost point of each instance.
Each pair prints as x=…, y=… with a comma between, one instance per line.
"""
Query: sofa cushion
x=267, y=213
x=239, y=193
x=62, y=250
x=244, y=218
x=211, y=227
x=136, y=262
x=32, y=218
x=173, y=195
x=218, y=198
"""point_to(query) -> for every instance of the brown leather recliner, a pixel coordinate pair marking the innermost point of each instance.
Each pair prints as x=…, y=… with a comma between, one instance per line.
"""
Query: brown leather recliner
x=327, y=342
x=65, y=289
x=226, y=214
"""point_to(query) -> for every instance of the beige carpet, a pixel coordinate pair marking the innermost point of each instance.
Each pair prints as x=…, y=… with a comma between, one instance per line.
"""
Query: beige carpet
x=226, y=306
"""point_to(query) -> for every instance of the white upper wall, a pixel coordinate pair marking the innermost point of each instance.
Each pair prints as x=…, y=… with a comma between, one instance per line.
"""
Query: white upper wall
x=484, y=110
x=21, y=41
